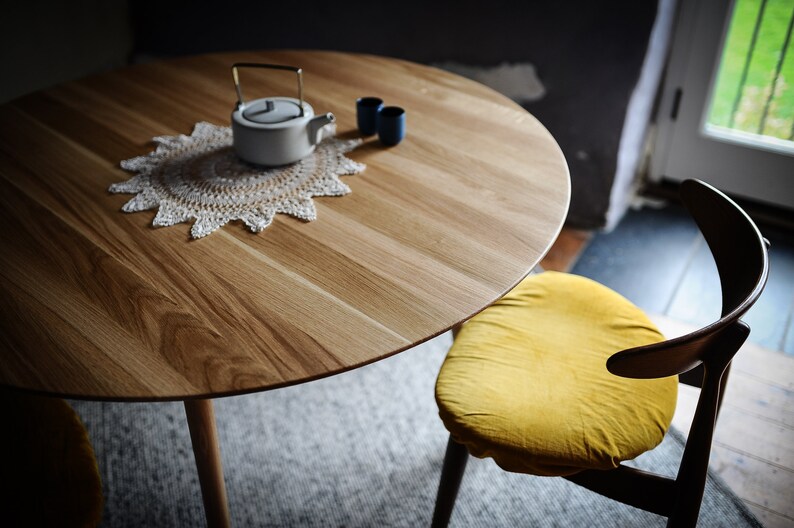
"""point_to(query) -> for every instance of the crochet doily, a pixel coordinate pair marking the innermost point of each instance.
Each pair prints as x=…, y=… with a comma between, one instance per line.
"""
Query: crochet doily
x=199, y=177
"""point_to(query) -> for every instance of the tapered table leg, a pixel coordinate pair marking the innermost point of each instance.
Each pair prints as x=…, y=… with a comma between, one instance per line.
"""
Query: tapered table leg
x=204, y=436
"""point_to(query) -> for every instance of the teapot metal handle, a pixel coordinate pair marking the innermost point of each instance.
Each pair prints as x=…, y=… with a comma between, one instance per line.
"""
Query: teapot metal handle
x=236, y=77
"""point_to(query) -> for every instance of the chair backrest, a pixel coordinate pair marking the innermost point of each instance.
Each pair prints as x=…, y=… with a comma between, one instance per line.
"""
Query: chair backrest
x=740, y=253
x=741, y=256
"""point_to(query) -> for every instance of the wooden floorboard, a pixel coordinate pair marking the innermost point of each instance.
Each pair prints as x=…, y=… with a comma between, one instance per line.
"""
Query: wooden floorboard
x=697, y=298
x=788, y=341
x=658, y=260
x=753, y=448
x=769, y=518
x=637, y=250
x=777, y=301
x=566, y=249
x=770, y=318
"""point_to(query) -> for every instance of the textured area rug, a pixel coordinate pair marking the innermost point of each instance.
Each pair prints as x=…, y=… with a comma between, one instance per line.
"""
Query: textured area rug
x=360, y=449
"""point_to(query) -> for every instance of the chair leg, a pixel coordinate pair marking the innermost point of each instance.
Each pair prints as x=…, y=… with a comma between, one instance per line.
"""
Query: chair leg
x=451, y=476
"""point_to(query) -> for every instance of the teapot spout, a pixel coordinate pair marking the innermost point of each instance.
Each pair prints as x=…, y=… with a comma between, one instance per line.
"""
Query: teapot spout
x=316, y=125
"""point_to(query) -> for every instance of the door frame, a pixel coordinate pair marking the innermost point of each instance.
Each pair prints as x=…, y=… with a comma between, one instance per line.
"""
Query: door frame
x=681, y=150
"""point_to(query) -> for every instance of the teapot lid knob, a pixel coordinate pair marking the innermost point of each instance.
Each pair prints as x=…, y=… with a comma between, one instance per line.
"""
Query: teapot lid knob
x=271, y=111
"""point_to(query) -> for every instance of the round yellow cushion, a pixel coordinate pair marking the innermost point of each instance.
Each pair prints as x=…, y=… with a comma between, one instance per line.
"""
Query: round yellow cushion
x=526, y=381
x=50, y=474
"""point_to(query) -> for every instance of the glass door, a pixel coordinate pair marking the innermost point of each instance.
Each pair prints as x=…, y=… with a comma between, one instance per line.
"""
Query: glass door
x=727, y=106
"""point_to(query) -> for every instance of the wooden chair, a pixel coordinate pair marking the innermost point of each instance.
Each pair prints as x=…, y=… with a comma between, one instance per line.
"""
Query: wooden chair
x=49, y=475
x=702, y=358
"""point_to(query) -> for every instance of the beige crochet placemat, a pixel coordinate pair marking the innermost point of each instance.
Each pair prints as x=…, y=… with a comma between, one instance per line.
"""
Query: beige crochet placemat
x=199, y=177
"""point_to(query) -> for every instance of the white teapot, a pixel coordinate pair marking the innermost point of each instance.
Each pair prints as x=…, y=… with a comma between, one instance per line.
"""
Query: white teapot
x=275, y=130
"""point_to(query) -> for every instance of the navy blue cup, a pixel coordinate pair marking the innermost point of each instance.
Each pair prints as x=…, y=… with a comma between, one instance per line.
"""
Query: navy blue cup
x=367, y=109
x=391, y=125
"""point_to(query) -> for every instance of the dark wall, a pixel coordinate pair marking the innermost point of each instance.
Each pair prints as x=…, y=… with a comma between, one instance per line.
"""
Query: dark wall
x=588, y=55
x=46, y=42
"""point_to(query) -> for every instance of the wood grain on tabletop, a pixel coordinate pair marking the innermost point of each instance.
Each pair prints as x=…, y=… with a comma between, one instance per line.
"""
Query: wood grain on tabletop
x=96, y=303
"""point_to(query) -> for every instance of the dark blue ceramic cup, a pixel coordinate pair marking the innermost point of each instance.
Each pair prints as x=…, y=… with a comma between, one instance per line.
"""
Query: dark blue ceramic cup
x=391, y=125
x=367, y=109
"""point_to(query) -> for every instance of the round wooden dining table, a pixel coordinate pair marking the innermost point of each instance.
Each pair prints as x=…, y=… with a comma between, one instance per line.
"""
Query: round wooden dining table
x=98, y=304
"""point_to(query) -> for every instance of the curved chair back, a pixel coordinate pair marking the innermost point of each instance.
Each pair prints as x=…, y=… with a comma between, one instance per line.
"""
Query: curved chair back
x=741, y=256
x=740, y=253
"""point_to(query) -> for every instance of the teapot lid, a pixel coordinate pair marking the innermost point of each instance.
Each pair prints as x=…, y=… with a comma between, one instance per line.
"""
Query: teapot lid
x=271, y=111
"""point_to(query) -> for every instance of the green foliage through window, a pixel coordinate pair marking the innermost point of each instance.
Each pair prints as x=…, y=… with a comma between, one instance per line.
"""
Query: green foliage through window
x=755, y=85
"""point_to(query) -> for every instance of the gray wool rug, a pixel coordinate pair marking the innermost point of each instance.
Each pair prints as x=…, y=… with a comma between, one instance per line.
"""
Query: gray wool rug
x=360, y=449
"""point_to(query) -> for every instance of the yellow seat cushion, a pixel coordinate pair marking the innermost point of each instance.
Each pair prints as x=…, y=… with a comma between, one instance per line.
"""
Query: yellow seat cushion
x=50, y=475
x=526, y=381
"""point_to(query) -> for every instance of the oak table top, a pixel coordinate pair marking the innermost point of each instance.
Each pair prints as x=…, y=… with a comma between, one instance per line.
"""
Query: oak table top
x=98, y=304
